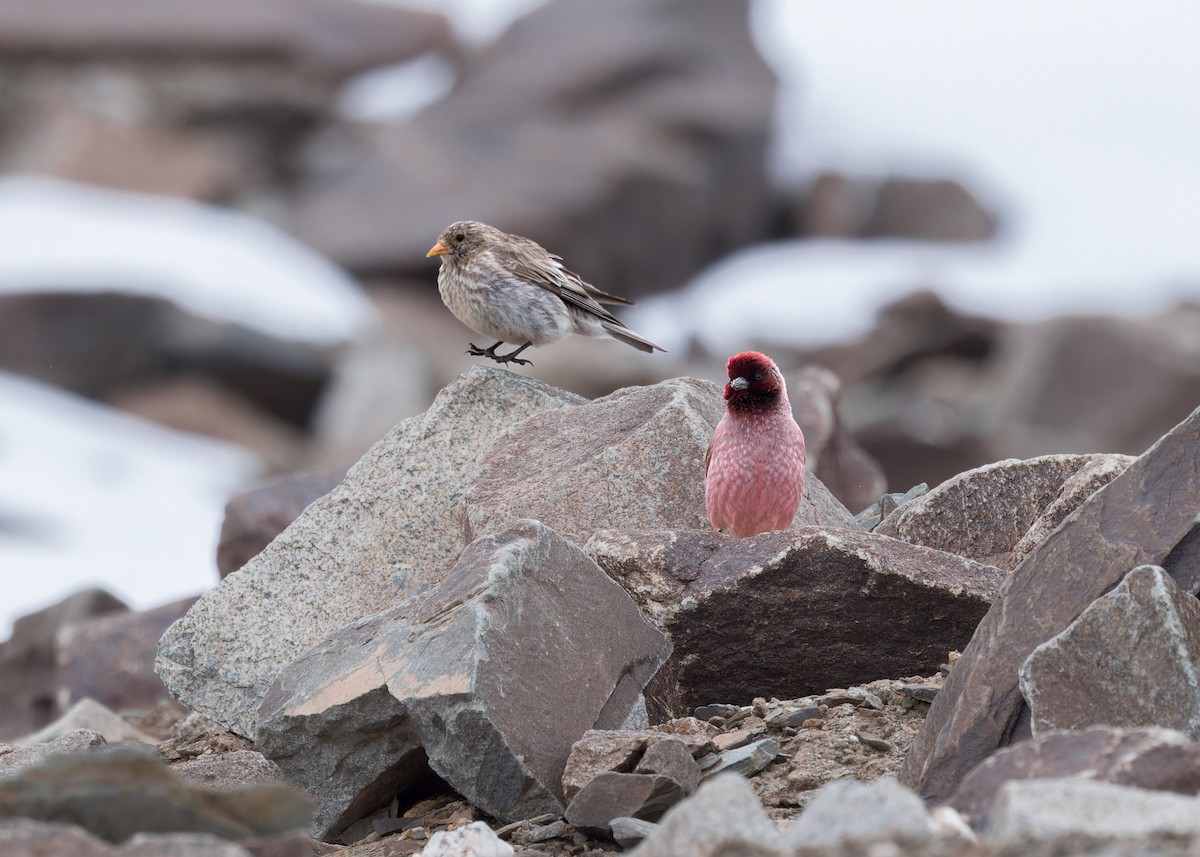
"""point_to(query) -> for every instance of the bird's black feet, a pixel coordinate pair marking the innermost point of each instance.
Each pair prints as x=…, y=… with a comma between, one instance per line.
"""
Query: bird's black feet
x=510, y=357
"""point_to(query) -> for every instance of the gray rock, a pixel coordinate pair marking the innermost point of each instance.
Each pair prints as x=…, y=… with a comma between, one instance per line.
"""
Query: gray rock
x=844, y=812
x=461, y=676
x=18, y=759
x=985, y=513
x=620, y=750
x=1083, y=483
x=1160, y=759
x=826, y=606
x=635, y=461
x=628, y=832
x=256, y=516
x=1128, y=660
x=723, y=817
x=89, y=716
x=671, y=758
x=229, y=770
x=387, y=531
x=1027, y=812
x=612, y=795
x=1136, y=519
x=870, y=518
x=747, y=760
x=116, y=792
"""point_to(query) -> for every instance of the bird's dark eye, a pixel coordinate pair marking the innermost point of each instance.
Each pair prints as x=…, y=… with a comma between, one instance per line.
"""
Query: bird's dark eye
x=459, y=237
x=758, y=376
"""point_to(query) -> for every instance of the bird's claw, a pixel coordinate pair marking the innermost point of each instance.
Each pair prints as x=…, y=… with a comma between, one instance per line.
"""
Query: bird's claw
x=475, y=351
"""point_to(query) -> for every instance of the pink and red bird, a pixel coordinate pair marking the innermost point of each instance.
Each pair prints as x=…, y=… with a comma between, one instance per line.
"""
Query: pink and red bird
x=755, y=463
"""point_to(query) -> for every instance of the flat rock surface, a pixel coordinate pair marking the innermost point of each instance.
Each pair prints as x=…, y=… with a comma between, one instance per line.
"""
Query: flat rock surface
x=795, y=612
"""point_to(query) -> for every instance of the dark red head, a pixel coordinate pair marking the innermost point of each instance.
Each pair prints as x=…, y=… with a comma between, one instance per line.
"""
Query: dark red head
x=755, y=383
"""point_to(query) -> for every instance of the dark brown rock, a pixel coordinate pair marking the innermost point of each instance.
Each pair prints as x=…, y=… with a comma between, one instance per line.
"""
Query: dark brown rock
x=255, y=517
x=99, y=343
x=461, y=680
x=311, y=37
x=111, y=659
x=653, y=108
x=1128, y=660
x=792, y=613
x=986, y=513
x=843, y=206
x=928, y=209
x=834, y=456
x=1136, y=519
x=635, y=460
x=1145, y=758
x=116, y=792
x=28, y=660
x=611, y=795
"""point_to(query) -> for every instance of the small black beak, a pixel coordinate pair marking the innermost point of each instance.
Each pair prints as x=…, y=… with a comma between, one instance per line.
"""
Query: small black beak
x=739, y=384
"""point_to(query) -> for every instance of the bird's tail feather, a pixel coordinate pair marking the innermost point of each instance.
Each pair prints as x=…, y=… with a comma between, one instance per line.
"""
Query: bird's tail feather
x=624, y=334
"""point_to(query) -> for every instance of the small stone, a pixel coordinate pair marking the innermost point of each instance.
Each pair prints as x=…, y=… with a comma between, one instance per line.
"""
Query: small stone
x=736, y=738
x=873, y=741
x=628, y=832
x=671, y=758
x=782, y=718
x=707, y=712
x=748, y=760
x=919, y=692
x=864, y=698
x=846, y=811
x=471, y=840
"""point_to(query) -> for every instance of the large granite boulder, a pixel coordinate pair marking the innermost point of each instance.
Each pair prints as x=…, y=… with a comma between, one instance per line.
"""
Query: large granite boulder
x=387, y=531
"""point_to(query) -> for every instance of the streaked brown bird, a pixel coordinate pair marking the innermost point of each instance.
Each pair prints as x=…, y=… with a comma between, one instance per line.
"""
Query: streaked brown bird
x=513, y=290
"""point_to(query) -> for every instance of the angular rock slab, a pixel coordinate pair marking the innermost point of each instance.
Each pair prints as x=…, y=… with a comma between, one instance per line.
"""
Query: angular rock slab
x=618, y=795
x=792, y=613
x=1132, y=658
x=387, y=531
x=630, y=460
x=1158, y=759
x=491, y=677
x=1135, y=519
x=985, y=513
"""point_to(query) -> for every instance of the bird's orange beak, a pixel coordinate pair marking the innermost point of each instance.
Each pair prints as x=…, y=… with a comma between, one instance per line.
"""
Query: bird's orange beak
x=438, y=249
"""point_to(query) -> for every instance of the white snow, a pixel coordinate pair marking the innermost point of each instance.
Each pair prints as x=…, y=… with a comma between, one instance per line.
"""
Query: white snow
x=93, y=496
x=1076, y=121
x=215, y=262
